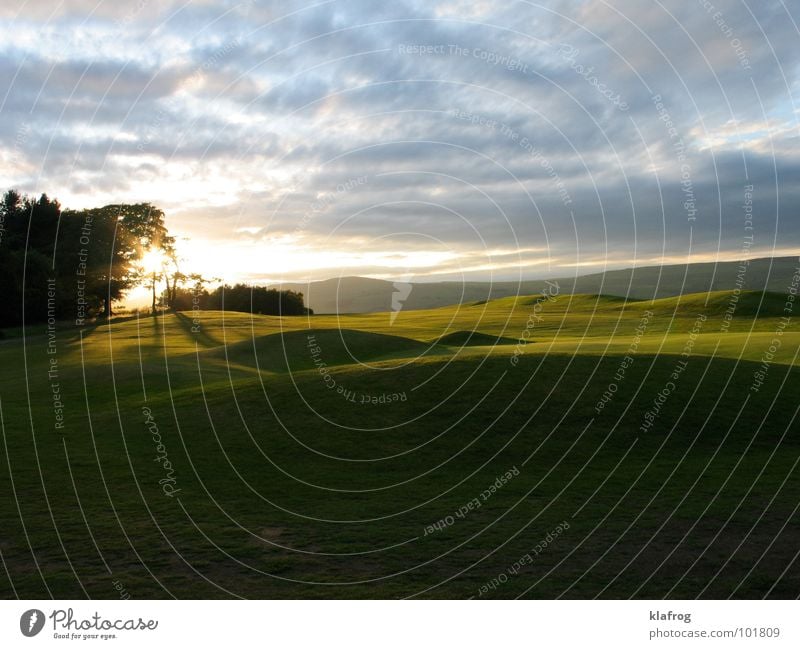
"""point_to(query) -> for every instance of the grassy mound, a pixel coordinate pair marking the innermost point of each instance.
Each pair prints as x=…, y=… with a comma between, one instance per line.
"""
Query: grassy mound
x=472, y=338
x=763, y=304
x=309, y=348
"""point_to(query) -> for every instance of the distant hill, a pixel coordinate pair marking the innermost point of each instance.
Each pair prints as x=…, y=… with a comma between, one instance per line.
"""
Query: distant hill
x=365, y=295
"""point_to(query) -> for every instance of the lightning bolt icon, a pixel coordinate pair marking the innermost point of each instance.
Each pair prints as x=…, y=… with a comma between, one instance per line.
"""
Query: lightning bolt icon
x=32, y=621
x=402, y=289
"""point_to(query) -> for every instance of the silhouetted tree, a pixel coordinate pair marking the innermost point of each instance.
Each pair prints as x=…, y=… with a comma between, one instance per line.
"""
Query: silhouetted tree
x=257, y=299
x=87, y=259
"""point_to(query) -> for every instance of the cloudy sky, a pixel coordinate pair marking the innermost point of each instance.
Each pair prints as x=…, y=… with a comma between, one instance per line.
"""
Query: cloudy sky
x=413, y=138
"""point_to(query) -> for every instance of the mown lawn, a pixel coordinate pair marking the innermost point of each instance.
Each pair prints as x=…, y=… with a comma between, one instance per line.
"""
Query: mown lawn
x=221, y=462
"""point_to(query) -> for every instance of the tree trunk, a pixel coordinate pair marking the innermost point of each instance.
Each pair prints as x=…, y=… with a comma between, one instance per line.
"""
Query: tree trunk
x=174, y=289
x=154, y=294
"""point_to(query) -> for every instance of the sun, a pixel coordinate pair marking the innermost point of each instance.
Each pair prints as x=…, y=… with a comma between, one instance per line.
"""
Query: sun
x=152, y=261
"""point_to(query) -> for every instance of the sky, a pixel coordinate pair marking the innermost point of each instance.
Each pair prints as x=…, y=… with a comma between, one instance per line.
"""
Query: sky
x=419, y=140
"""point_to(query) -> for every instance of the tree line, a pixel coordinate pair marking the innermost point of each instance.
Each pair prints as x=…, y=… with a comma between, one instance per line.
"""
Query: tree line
x=77, y=264
x=240, y=297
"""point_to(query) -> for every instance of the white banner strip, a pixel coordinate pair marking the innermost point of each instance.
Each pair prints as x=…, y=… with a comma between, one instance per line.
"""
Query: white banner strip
x=403, y=624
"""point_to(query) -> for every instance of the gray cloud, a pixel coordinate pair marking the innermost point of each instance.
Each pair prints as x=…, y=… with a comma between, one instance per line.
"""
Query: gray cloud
x=468, y=120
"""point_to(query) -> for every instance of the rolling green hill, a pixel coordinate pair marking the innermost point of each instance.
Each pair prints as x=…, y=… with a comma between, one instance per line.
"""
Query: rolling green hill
x=366, y=295
x=221, y=454
x=716, y=303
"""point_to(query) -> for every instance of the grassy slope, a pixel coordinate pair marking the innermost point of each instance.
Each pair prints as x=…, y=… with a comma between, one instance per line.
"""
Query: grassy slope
x=362, y=294
x=291, y=487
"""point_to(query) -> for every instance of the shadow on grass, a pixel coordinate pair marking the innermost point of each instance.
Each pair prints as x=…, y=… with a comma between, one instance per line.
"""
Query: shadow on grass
x=197, y=332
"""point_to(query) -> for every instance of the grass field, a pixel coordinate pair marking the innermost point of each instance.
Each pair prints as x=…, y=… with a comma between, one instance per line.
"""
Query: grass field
x=541, y=446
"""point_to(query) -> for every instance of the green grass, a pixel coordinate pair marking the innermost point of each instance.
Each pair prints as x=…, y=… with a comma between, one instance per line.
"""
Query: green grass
x=315, y=467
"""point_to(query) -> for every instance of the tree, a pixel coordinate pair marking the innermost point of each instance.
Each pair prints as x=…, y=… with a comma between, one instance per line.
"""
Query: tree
x=188, y=299
x=178, y=278
x=29, y=228
x=95, y=242
x=257, y=299
x=93, y=256
x=150, y=243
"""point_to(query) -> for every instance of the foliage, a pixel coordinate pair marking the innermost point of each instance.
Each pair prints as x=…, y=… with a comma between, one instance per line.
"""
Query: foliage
x=74, y=264
x=240, y=297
